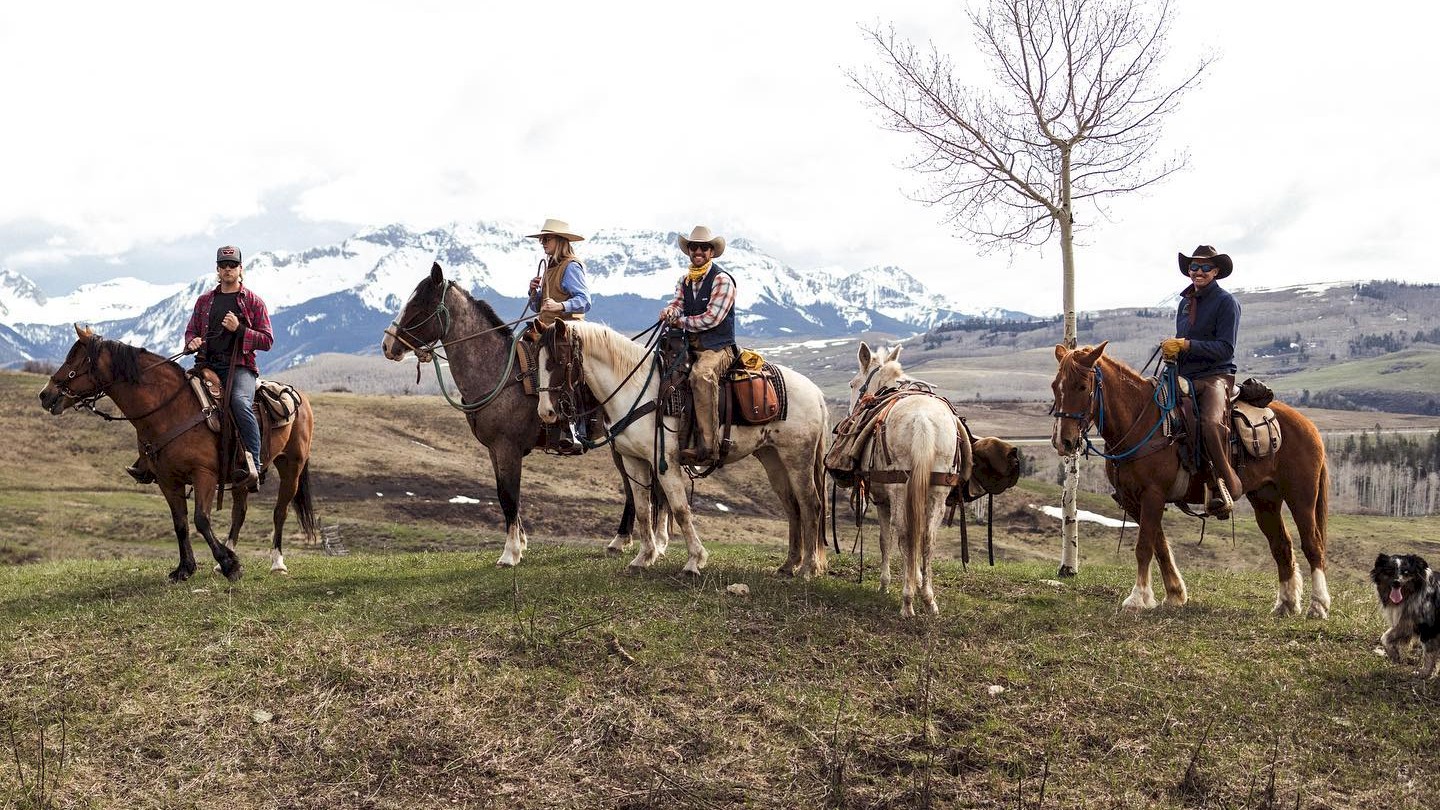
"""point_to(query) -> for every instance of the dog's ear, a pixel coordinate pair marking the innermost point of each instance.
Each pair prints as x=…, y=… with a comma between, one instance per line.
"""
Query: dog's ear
x=1418, y=562
x=1381, y=560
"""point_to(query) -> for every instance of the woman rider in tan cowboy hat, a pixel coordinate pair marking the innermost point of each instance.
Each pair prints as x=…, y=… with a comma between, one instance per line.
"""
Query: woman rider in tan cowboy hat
x=560, y=289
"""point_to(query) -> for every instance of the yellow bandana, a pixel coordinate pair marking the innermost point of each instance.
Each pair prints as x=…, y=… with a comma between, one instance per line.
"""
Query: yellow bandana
x=697, y=273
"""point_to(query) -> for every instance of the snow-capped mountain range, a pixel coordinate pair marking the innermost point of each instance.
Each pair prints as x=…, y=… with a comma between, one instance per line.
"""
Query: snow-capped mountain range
x=339, y=298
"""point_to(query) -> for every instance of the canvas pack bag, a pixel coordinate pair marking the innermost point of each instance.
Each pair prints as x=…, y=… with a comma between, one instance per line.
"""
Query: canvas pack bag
x=1256, y=430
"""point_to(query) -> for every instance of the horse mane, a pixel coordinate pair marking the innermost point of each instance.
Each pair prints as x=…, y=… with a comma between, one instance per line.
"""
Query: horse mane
x=487, y=313
x=124, y=359
x=618, y=348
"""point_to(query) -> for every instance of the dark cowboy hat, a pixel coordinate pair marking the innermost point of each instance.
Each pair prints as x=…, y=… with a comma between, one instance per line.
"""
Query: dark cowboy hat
x=1221, y=260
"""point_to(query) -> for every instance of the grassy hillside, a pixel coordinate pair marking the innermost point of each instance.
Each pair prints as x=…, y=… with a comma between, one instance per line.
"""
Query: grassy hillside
x=412, y=673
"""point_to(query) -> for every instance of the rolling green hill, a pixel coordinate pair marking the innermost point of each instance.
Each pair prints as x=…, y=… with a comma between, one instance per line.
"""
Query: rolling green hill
x=413, y=673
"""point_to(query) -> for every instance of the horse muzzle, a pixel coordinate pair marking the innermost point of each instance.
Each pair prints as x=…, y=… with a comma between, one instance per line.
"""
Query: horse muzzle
x=52, y=400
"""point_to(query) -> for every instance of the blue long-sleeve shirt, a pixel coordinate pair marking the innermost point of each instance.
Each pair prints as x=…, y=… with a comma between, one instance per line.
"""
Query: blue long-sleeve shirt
x=1213, y=335
x=573, y=282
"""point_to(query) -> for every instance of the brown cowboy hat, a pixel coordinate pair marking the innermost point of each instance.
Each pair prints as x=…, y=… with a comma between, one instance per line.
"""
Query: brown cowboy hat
x=702, y=234
x=1222, y=261
x=556, y=227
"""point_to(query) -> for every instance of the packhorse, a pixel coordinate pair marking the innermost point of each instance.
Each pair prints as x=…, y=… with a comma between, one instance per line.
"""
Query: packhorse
x=483, y=354
x=1147, y=469
x=155, y=395
x=625, y=377
x=906, y=449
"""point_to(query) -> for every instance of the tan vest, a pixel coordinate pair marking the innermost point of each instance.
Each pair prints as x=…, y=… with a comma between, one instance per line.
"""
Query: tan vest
x=550, y=288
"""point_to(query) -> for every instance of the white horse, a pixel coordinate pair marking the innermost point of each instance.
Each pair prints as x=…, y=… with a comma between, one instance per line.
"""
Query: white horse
x=790, y=449
x=921, y=436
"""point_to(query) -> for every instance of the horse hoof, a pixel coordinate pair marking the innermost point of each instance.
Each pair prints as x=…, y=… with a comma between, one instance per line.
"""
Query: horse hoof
x=504, y=563
x=279, y=569
x=634, y=570
x=1066, y=572
x=235, y=572
x=1318, y=612
x=180, y=575
x=611, y=551
x=786, y=570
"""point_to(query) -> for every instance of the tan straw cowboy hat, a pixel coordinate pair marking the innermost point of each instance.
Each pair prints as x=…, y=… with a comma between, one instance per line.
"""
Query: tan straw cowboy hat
x=556, y=227
x=1223, y=265
x=702, y=234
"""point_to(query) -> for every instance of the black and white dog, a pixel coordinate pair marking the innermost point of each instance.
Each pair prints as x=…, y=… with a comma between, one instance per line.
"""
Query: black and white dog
x=1410, y=599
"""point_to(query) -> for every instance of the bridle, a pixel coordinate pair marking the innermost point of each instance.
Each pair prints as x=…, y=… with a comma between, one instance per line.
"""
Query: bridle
x=440, y=313
x=87, y=401
x=1166, y=398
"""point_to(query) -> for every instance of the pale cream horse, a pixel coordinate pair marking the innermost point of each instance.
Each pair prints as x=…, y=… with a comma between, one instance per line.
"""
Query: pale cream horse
x=921, y=436
x=790, y=449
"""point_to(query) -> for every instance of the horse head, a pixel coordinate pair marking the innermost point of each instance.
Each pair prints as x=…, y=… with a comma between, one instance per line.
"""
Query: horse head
x=876, y=372
x=1074, y=388
x=423, y=321
x=83, y=376
x=558, y=371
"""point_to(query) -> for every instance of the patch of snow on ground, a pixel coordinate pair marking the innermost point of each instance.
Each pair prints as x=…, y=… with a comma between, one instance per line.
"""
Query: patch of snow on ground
x=464, y=499
x=1081, y=514
x=722, y=507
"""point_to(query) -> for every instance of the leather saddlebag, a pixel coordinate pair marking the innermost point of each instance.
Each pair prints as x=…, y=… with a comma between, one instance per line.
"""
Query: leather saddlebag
x=754, y=397
x=1256, y=430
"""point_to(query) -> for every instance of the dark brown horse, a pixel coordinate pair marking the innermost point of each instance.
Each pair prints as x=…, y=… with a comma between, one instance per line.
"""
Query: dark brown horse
x=154, y=394
x=479, y=347
x=1147, y=474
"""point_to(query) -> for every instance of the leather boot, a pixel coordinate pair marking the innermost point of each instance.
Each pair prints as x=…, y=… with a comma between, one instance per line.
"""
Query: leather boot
x=247, y=474
x=141, y=472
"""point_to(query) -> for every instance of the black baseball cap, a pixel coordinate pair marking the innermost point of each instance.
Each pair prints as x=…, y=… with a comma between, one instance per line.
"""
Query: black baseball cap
x=229, y=253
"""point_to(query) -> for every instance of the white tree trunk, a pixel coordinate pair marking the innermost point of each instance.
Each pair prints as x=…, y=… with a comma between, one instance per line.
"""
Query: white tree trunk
x=1069, y=525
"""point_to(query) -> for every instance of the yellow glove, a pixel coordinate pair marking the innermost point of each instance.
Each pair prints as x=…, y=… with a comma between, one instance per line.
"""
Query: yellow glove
x=1170, y=348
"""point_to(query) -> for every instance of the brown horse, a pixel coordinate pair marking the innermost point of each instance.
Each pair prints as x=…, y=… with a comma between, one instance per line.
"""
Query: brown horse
x=154, y=395
x=1147, y=473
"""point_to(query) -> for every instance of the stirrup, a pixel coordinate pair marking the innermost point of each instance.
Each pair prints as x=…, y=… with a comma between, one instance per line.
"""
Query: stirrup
x=142, y=475
x=1221, y=504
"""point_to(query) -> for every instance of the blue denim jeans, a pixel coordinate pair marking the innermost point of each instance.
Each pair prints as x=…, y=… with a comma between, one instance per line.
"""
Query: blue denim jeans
x=242, y=408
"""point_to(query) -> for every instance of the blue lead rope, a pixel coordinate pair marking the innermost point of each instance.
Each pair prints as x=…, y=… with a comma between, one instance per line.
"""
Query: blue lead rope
x=1166, y=398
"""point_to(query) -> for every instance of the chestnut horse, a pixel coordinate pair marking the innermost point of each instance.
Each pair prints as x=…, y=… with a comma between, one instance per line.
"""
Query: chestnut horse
x=154, y=395
x=1147, y=473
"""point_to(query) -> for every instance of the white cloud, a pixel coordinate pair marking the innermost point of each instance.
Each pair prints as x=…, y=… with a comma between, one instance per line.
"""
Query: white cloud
x=150, y=126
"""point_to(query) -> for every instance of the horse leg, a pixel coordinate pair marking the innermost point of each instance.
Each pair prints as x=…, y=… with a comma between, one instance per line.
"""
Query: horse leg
x=936, y=516
x=1266, y=502
x=505, y=458
x=807, y=499
x=238, y=505
x=289, y=484
x=175, y=499
x=640, y=472
x=780, y=482
x=887, y=540
x=623, y=533
x=908, y=542
x=1307, y=508
x=1142, y=596
x=204, y=492
x=672, y=488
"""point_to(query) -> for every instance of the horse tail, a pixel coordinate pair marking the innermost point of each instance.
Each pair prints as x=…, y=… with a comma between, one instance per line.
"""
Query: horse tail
x=817, y=473
x=917, y=491
x=304, y=503
x=1322, y=498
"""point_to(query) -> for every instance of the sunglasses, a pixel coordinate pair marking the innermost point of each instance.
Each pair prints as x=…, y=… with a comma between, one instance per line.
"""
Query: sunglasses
x=705, y=246
x=1202, y=268
x=227, y=265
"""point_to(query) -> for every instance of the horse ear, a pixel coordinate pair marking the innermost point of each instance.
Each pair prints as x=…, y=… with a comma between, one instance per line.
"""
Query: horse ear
x=436, y=274
x=894, y=354
x=1090, y=355
x=1060, y=351
x=84, y=332
x=864, y=355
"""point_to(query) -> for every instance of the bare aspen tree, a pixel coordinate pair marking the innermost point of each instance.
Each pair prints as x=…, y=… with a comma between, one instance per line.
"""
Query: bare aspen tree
x=1070, y=116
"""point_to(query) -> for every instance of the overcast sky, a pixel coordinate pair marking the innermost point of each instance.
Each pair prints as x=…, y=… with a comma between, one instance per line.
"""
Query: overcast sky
x=138, y=136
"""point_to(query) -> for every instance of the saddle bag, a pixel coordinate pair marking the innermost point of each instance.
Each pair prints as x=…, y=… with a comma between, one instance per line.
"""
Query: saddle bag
x=1256, y=430
x=1254, y=392
x=280, y=399
x=753, y=397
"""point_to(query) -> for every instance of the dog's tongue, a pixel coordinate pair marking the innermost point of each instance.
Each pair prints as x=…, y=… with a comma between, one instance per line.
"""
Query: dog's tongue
x=1396, y=597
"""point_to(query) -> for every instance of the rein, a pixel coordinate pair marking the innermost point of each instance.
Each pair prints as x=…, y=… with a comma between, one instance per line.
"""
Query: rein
x=428, y=351
x=88, y=401
x=1166, y=398
x=573, y=367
